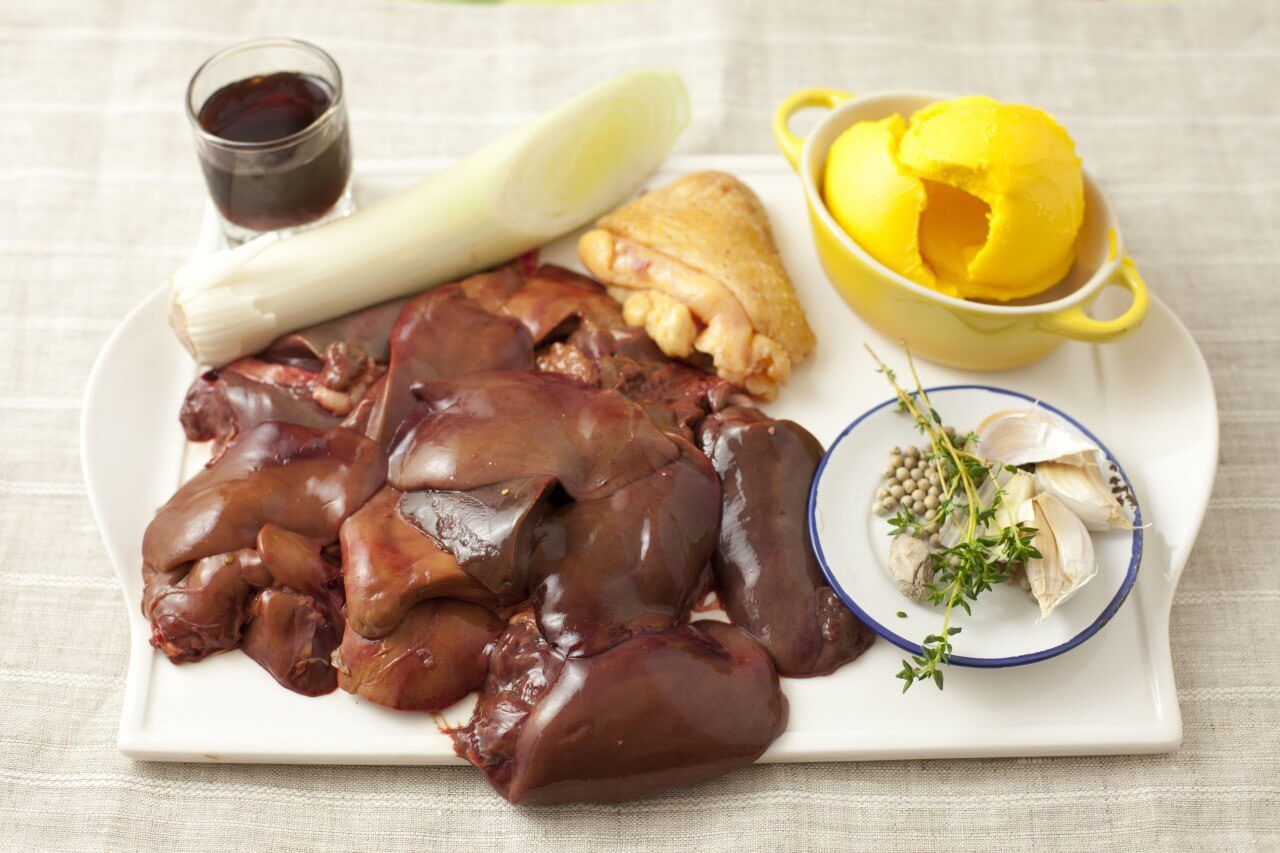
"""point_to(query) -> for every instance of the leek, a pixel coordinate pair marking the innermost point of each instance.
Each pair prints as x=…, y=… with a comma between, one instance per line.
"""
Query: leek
x=546, y=179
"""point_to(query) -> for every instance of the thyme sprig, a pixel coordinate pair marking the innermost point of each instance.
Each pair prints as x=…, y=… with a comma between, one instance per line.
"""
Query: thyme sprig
x=981, y=557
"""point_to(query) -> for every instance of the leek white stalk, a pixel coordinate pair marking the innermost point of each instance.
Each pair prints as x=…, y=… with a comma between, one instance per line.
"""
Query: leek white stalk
x=538, y=183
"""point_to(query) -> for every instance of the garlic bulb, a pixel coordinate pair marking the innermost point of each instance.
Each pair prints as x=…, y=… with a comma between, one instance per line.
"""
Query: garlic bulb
x=911, y=566
x=1019, y=438
x=1066, y=561
x=1083, y=491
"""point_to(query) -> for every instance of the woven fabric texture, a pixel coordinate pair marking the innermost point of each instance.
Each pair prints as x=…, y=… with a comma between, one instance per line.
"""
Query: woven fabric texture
x=1175, y=108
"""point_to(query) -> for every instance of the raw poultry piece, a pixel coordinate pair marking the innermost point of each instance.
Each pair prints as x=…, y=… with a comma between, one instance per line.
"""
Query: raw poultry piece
x=369, y=330
x=765, y=571
x=695, y=264
x=290, y=636
x=223, y=403
x=550, y=301
x=657, y=711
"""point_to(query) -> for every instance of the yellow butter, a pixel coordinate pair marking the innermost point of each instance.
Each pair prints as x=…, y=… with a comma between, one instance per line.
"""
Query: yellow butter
x=971, y=197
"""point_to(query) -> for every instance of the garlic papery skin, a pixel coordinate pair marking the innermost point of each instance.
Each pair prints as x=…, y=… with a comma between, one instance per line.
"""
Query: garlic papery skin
x=1021, y=438
x=1066, y=562
x=1082, y=489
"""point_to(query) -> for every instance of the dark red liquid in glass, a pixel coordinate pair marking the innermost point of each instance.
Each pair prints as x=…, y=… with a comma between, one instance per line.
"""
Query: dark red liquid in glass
x=277, y=186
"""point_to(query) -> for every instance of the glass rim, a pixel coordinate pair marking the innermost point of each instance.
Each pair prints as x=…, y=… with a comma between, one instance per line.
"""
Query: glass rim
x=297, y=135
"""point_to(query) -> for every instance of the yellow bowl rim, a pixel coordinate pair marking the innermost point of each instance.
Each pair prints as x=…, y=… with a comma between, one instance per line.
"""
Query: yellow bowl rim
x=1104, y=273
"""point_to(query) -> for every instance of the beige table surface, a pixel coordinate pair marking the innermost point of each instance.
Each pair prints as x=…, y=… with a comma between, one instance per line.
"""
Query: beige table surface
x=1176, y=109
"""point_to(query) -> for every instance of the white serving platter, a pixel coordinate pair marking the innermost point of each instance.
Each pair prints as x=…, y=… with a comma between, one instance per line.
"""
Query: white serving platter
x=1149, y=398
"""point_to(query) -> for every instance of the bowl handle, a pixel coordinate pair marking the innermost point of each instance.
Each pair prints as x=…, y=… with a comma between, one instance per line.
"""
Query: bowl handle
x=790, y=144
x=1074, y=323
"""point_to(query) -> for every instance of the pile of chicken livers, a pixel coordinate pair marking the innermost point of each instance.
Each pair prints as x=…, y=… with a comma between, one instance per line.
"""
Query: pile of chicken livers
x=500, y=486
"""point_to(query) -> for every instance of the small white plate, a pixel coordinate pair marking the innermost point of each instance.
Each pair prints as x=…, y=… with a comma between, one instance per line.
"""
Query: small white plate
x=1004, y=628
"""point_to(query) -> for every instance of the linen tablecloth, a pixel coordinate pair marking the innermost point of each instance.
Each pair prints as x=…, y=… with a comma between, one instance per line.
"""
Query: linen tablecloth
x=1175, y=108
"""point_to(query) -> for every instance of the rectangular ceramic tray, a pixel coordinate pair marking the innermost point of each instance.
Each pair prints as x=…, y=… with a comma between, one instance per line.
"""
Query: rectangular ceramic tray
x=1149, y=397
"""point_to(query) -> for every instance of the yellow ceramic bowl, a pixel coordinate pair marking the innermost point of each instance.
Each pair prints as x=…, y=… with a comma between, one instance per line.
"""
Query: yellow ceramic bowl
x=957, y=332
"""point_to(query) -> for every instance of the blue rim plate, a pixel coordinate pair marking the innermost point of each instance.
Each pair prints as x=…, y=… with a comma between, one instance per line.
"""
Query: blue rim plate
x=816, y=535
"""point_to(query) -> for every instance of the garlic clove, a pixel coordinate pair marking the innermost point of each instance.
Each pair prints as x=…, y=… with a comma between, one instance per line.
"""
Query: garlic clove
x=1018, y=488
x=1066, y=561
x=1020, y=438
x=1082, y=489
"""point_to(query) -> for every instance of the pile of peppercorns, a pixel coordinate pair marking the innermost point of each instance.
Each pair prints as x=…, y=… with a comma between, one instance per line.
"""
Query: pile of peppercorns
x=912, y=482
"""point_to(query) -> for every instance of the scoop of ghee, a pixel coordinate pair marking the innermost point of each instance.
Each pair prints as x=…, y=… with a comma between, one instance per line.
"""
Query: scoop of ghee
x=971, y=197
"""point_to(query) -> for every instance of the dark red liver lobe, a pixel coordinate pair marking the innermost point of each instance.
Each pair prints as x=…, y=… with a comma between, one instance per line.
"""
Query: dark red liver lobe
x=391, y=566
x=441, y=334
x=489, y=530
x=765, y=571
x=435, y=656
x=234, y=556
x=297, y=478
x=632, y=561
x=488, y=428
x=657, y=711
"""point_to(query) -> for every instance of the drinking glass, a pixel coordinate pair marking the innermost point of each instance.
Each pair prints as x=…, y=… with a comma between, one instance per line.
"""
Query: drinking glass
x=270, y=125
